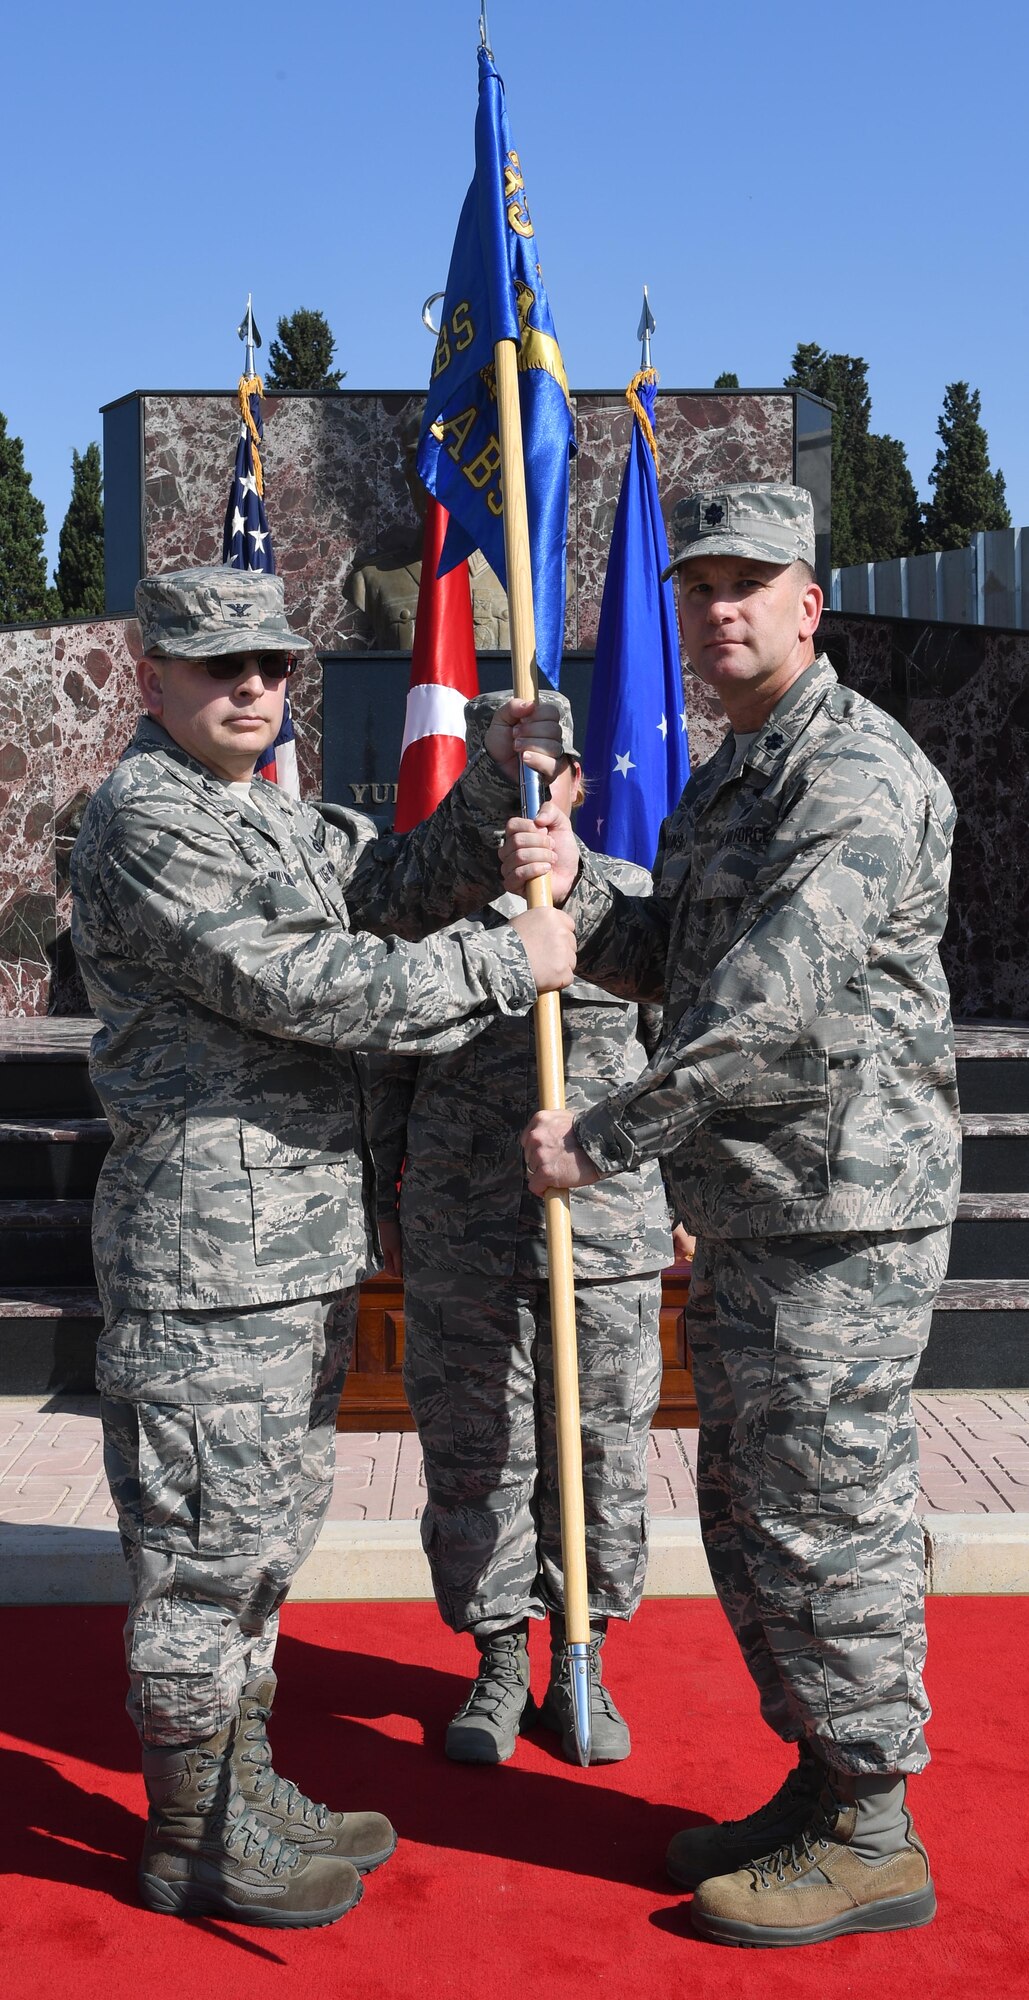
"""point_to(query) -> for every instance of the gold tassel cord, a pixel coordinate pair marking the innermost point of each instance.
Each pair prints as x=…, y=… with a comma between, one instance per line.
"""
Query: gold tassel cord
x=632, y=397
x=252, y=385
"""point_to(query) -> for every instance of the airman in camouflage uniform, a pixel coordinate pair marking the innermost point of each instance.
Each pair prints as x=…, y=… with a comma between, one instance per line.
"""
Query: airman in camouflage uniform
x=804, y=1100
x=233, y=944
x=477, y=1362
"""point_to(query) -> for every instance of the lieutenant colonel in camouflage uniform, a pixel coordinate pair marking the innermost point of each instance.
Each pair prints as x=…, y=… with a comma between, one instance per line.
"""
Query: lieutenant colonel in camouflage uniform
x=804, y=1100
x=233, y=947
x=471, y=1242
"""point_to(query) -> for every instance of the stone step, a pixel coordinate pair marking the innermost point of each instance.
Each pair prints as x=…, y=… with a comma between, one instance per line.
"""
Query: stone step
x=48, y=1157
x=48, y=1337
x=41, y=1239
x=993, y=1067
x=980, y=1335
x=43, y=1071
x=991, y=1236
x=979, y=1338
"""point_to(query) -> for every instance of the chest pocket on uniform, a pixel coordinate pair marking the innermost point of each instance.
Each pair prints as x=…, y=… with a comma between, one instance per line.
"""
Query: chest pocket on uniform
x=298, y=1189
x=739, y=857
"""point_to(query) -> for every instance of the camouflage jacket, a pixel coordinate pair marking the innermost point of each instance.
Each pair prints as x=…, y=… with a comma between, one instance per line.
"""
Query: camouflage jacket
x=456, y=1120
x=806, y=1077
x=224, y=941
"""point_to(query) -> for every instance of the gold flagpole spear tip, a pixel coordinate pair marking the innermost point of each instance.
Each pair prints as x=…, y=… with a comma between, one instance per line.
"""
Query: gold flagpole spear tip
x=250, y=384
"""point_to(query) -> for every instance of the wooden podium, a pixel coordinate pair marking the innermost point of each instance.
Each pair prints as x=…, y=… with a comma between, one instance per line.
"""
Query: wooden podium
x=374, y=1400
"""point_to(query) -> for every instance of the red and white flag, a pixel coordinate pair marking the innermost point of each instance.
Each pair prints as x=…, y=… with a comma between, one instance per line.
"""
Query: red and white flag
x=444, y=675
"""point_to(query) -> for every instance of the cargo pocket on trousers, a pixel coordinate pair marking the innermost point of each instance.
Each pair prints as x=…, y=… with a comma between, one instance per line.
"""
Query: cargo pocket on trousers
x=859, y=1646
x=609, y=1377
x=200, y=1477
x=180, y=1708
x=837, y=1408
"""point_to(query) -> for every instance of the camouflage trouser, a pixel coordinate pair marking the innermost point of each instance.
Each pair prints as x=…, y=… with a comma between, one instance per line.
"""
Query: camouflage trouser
x=479, y=1379
x=219, y=1445
x=804, y=1351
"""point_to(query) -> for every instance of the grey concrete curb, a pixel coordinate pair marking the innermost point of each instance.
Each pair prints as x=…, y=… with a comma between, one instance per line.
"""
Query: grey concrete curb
x=966, y=1555
x=977, y=1555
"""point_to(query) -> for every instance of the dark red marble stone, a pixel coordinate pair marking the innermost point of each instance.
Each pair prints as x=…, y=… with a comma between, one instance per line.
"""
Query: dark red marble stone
x=336, y=495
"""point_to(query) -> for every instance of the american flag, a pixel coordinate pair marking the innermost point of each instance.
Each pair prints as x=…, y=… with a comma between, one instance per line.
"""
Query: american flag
x=247, y=544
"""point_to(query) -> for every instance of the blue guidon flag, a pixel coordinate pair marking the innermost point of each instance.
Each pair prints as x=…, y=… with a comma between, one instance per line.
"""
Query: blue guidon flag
x=495, y=291
x=635, y=753
x=247, y=544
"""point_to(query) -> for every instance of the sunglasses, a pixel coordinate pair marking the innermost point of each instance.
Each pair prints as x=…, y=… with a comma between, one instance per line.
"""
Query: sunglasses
x=273, y=667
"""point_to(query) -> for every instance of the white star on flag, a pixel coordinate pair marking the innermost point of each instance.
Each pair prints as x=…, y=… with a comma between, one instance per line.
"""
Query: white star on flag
x=248, y=483
x=663, y=727
x=258, y=536
x=624, y=764
x=682, y=720
x=238, y=524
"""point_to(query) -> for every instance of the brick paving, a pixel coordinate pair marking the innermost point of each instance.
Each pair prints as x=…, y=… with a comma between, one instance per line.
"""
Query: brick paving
x=975, y=1460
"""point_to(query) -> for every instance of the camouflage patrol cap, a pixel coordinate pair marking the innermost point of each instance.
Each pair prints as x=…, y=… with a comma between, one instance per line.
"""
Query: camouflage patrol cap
x=197, y=614
x=769, y=523
x=479, y=713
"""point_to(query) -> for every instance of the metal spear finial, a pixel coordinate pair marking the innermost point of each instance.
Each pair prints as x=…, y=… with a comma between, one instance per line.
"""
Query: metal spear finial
x=484, y=40
x=646, y=327
x=247, y=330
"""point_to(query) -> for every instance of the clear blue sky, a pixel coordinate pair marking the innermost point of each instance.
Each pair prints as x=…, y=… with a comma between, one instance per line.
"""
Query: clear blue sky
x=852, y=174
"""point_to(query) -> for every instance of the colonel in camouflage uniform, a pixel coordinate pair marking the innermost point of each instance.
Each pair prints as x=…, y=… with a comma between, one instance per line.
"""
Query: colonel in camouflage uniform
x=227, y=938
x=477, y=1348
x=803, y=1098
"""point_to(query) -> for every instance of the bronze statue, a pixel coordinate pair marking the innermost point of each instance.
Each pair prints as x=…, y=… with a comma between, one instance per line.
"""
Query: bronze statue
x=385, y=588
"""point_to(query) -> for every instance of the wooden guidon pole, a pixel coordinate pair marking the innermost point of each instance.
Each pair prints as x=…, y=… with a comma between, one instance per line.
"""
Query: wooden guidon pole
x=550, y=1065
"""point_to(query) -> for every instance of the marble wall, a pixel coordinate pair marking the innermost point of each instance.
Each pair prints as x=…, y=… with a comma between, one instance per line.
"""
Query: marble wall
x=337, y=494
x=68, y=706
x=338, y=499
x=963, y=693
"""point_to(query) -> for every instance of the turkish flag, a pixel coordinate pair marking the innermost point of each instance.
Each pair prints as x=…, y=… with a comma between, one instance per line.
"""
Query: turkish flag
x=444, y=675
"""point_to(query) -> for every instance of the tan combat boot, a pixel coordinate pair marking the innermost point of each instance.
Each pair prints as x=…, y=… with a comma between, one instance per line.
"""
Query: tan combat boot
x=364, y=1838
x=858, y=1866
x=700, y=1851
x=205, y=1853
x=485, y=1728
x=609, y=1730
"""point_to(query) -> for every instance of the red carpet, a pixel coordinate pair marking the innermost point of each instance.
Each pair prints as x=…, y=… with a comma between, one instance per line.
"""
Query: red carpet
x=535, y=1880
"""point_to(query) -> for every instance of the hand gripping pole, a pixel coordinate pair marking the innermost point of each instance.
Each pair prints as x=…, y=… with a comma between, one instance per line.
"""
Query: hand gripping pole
x=550, y=1067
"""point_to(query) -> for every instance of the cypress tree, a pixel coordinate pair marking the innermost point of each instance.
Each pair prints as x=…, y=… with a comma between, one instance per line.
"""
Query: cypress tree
x=967, y=495
x=24, y=592
x=875, y=510
x=80, y=568
x=891, y=515
x=300, y=358
x=727, y=381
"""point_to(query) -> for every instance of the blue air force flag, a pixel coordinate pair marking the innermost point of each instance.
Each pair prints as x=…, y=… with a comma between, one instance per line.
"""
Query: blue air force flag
x=495, y=291
x=635, y=754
